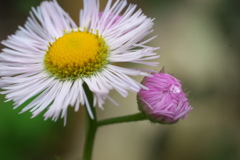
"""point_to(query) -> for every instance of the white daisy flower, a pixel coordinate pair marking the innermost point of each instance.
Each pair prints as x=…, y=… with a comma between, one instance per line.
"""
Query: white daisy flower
x=51, y=57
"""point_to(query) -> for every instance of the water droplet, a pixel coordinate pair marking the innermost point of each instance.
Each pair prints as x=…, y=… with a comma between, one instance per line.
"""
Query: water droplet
x=175, y=89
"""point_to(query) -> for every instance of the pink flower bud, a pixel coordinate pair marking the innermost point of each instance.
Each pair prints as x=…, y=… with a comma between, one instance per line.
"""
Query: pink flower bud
x=164, y=102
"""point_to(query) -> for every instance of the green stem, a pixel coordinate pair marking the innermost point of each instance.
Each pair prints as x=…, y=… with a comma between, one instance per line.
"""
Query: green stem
x=90, y=126
x=123, y=119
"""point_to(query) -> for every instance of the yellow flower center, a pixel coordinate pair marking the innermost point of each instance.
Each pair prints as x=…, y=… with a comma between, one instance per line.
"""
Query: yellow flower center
x=75, y=55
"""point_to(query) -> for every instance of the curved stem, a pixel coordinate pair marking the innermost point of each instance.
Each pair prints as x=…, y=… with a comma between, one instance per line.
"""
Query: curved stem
x=90, y=126
x=123, y=119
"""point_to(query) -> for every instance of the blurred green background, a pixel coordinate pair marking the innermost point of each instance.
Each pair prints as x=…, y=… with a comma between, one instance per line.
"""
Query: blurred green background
x=200, y=45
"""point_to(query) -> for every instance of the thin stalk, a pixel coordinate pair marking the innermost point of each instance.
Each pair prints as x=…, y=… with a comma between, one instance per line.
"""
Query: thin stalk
x=92, y=124
x=123, y=119
x=90, y=127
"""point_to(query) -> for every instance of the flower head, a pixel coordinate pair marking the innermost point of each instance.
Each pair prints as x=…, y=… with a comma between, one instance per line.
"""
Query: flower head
x=51, y=57
x=164, y=102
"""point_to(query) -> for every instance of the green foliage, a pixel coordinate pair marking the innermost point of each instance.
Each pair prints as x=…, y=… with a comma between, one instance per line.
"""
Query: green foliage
x=25, y=5
x=26, y=137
